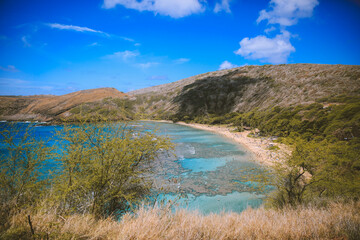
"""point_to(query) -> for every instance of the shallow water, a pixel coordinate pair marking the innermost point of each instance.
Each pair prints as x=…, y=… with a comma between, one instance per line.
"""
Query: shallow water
x=212, y=172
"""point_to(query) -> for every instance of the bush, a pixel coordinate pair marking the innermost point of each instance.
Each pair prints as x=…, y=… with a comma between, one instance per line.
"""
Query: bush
x=101, y=169
x=318, y=170
x=22, y=179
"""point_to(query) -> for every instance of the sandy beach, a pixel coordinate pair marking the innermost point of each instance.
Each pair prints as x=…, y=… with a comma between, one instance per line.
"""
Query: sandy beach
x=258, y=146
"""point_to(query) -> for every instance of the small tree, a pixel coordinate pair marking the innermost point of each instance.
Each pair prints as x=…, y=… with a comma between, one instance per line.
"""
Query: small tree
x=316, y=170
x=291, y=183
x=104, y=167
x=22, y=177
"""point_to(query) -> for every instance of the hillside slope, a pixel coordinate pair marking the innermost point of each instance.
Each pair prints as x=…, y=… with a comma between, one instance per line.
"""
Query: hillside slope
x=245, y=88
x=239, y=89
x=49, y=107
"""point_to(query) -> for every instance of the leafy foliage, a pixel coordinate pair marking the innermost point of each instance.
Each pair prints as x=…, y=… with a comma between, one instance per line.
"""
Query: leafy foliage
x=336, y=121
x=22, y=178
x=318, y=170
x=104, y=167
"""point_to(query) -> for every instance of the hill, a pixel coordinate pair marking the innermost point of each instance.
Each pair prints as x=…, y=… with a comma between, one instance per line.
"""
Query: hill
x=245, y=88
x=50, y=107
x=241, y=89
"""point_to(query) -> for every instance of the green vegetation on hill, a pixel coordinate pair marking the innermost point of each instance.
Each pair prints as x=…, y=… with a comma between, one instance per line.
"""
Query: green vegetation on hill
x=337, y=118
x=325, y=138
x=110, y=108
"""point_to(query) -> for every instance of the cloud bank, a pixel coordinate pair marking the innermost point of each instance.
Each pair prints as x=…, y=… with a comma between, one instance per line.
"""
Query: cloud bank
x=287, y=12
x=223, y=6
x=274, y=50
x=9, y=68
x=172, y=8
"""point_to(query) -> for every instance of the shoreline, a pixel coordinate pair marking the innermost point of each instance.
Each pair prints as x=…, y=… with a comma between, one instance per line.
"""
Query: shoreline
x=257, y=146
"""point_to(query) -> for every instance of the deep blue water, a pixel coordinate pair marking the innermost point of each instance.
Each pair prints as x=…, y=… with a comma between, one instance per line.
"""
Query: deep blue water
x=210, y=170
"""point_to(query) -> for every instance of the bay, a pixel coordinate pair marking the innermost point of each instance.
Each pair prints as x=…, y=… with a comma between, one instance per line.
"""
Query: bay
x=206, y=172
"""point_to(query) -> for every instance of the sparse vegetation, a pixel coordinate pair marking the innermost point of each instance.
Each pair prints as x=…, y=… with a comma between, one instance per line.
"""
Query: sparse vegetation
x=251, y=87
x=336, y=221
x=110, y=108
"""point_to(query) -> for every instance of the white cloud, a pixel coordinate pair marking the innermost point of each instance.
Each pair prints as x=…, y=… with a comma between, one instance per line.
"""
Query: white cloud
x=94, y=44
x=159, y=78
x=181, y=60
x=227, y=65
x=273, y=50
x=223, y=6
x=25, y=40
x=132, y=58
x=8, y=85
x=276, y=50
x=12, y=82
x=75, y=28
x=9, y=68
x=270, y=29
x=287, y=12
x=86, y=30
x=46, y=88
x=128, y=39
x=147, y=64
x=125, y=55
x=172, y=8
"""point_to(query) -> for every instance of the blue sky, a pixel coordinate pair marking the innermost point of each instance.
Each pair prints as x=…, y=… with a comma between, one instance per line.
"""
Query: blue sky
x=61, y=46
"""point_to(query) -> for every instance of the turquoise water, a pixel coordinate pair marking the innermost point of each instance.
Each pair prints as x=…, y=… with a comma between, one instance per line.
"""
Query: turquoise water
x=206, y=204
x=211, y=170
x=208, y=171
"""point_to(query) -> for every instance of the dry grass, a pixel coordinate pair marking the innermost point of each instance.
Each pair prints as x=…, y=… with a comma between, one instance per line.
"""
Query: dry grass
x=46, y=107
x=338, y=221
x=270, y=85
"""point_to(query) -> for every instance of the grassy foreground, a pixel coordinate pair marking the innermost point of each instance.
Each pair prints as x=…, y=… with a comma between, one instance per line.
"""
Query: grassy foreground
x=336, y=221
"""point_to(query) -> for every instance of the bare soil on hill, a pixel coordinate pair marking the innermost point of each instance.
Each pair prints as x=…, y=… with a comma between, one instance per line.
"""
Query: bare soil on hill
x=49, y=107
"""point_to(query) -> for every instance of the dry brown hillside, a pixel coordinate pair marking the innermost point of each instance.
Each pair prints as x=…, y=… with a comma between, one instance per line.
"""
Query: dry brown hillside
x=233, y=90
x=248, y=87
x=49, y=107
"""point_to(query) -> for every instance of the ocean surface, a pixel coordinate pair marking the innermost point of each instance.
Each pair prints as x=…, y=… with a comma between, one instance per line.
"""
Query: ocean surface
x=206, y=172
x=214, y=173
